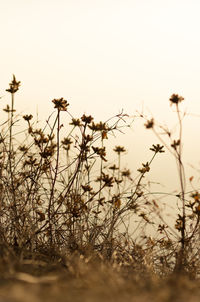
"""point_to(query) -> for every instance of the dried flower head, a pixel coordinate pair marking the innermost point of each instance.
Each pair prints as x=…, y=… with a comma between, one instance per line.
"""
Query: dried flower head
x=108, y=181
x=100, y=151
x=126, y=173
x=14, y=85
x=149, y=124
x=48, y=152
x=27, y=117
x=99, y=127
x=176, y=99
x=145, y=168
x=87, y=138
x=60, y=104
x=66, y=143
x=23, y=148
x=119, y=149
x=86, y=188
x=87, y=119
x=157, y=148
x=8, y=109
x=175, y=144
x=75, y=122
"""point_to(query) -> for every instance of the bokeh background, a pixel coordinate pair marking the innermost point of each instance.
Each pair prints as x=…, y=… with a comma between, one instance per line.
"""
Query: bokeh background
x=104, y=56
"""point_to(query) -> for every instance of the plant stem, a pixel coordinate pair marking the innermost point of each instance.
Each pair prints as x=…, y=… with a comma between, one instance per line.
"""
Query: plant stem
x=10, y=160
x=182, y=179
x=55, y=177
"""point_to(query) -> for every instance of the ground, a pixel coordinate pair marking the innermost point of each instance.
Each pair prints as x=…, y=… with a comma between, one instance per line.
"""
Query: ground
x=79, y=279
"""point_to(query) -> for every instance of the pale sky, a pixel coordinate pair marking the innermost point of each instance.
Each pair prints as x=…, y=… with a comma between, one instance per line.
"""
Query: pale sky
x=104, y=56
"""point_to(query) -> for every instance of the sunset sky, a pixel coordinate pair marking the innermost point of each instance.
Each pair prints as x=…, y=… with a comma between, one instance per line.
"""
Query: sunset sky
x=104, y=56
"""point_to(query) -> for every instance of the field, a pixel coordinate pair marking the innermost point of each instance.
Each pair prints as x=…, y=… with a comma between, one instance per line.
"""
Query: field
x=75, y=225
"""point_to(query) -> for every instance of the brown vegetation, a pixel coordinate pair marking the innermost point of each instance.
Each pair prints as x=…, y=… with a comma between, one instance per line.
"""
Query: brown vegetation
x=65, y=214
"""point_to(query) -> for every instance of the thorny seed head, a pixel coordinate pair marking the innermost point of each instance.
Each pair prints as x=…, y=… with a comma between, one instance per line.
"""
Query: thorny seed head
x=176, y=99
x=157, y=148
x=145, y=168
x=149, y=124
x=23, y=149
x=45, y=166
x=48, y=152
x=119, y=149
x=40, y=138
x=87, y=138
x=8, y=109
x=27, y=117
x=31, y=161
x=84, y=147
x=162, y=228
x=86, y=188
x=66, y=143
x=87, y=119
x=175, y=144
x=99, y=126
x=106, y=179
x=100, y=151
x=75, y=122
x=126, y=173
x=60, y=104
x=14, y=85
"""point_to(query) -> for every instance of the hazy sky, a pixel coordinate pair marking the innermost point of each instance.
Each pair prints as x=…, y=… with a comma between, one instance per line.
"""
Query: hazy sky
x=102, y=56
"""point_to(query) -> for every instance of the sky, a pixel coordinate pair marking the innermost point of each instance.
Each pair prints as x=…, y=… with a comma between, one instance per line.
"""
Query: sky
x=104, y=56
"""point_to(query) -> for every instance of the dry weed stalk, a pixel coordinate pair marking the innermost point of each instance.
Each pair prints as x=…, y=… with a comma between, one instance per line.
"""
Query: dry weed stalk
x=187, y=222
x=60, y=192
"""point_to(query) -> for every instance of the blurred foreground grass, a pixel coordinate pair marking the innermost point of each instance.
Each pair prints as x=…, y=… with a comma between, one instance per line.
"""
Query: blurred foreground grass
x=77, y=278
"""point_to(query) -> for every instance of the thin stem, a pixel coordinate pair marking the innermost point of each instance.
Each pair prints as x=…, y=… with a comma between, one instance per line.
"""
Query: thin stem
x=119, y=167
x=182, y=178
x=10, y=157
x=55, y=175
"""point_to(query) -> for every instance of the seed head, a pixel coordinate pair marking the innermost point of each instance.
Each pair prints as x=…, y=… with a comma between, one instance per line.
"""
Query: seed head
x=176, y=99
x=60, y=104
x=14, y=85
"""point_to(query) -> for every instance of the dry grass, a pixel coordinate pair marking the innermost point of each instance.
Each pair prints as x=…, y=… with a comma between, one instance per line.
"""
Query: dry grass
x=65, y=229
x=90, y=279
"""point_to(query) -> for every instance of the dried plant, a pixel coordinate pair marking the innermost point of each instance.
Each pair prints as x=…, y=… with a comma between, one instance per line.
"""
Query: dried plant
x=59, y=191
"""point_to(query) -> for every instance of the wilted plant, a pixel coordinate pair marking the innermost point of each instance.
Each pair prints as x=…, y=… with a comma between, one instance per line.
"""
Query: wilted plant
x=187, y=222
x=59, y=190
